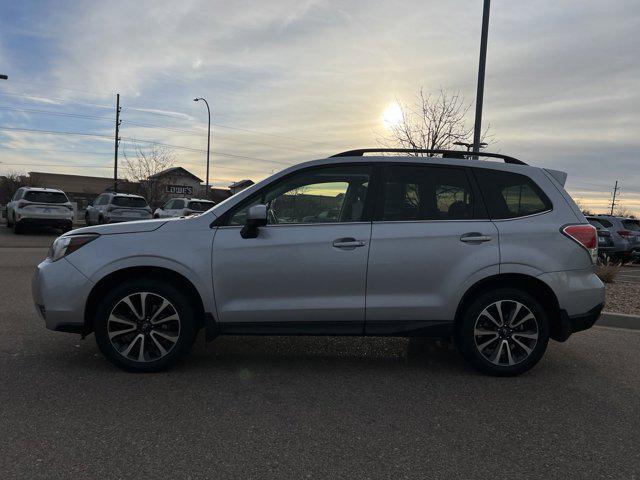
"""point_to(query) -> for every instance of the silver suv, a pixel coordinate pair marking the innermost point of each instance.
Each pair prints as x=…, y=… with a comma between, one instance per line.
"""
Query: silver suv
x=117, y=207
x=494, y=254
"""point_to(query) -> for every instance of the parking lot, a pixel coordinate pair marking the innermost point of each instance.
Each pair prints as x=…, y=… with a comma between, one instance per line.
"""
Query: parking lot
x=268, y=407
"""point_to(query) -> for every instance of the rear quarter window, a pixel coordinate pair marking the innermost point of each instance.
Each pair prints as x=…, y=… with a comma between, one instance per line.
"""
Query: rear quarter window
x=511, y=195
x=632, y=225
x=46, y=197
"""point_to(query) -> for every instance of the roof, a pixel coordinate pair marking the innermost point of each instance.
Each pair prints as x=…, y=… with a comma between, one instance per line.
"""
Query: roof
x=189, y=199
x=241, y=183
x=42, y=189
x=175, y=171
x=120, y=194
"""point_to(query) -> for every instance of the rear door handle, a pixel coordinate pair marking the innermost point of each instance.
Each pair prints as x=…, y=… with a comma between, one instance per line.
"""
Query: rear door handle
x=474, y=237
x=348, y=243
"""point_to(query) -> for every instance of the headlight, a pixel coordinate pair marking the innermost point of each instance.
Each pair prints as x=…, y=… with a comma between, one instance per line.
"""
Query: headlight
x=63, y=246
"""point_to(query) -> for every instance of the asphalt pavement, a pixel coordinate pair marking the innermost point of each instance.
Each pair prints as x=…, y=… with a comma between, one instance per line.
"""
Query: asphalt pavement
x=305, y=407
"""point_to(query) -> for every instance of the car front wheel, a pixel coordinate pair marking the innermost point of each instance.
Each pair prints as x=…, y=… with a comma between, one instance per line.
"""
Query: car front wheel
x=503, y=332
x=145, y=325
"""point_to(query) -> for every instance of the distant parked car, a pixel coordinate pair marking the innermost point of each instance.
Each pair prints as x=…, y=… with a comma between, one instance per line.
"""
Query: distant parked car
x=117, y=207
x=39, y=207
x=181, y=207
x=605, y=242
x=625, y=233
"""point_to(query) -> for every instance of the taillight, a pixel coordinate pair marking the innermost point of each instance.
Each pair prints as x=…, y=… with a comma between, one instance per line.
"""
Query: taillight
x=584, y=235
x=625, y=233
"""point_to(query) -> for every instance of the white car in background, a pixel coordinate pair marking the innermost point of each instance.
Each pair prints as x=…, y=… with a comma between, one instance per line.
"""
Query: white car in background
x=117, y=207
x=39, y=207
x=182, y=207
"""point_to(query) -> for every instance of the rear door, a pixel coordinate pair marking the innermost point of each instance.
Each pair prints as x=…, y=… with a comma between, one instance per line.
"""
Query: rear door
x=429, y=238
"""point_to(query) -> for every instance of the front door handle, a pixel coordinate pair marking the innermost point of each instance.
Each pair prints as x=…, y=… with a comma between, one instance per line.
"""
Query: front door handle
x=474, y=237
x=348, y=243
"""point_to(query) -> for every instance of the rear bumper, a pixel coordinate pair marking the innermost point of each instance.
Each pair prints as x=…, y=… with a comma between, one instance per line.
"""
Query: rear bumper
x=45, y=222
x=576, y=323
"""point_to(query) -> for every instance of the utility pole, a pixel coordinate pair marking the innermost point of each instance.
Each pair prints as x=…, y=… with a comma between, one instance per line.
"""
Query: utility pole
x=117, y=143
x=481, y=68
x=613, y=200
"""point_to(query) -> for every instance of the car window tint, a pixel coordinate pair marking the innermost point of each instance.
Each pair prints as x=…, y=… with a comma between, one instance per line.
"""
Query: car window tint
x=632, y=225
x=46, y=197
x=510, y=195
x=135, y=202
x=422, y=192
x=178, y=204
x=605, y=222
x=323, y=195
x=200, y=206
x=595, y=223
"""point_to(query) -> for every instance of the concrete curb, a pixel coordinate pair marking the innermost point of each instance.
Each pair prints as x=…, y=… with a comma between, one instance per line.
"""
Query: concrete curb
x=619, y=320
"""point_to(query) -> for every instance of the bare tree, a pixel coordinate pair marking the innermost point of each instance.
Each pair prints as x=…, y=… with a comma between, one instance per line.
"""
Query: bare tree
x=9, y=183
x=583, y=208
x=433, y=122
x=624, y=212
x=142, y=168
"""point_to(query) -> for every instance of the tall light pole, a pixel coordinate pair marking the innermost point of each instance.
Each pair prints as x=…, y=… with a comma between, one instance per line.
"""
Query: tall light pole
x=208, y=140
x=481, y=67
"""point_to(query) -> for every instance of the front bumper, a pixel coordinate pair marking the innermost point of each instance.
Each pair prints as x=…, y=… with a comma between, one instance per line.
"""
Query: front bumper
x=59, y=293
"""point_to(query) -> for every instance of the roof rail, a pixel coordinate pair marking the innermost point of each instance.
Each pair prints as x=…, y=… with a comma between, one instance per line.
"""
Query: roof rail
x=445, y=153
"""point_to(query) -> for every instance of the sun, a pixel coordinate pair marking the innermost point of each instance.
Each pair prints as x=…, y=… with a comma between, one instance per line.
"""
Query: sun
x=392, y=115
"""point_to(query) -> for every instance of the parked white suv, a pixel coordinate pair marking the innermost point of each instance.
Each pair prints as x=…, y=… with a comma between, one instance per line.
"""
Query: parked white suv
x=496, y=255
x=182, y=207
x=39, y=207
x=117, y=207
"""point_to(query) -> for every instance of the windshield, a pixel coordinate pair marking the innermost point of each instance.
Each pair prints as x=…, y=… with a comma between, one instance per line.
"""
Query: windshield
x=200, y=206
x=136, y=202
x=46, y=197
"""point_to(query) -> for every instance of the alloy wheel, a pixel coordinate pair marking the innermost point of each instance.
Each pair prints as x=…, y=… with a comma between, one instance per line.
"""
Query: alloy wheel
x=143, y=327
x=506, y=332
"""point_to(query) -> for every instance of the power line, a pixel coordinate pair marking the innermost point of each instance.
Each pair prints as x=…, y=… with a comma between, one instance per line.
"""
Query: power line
x=57, y=114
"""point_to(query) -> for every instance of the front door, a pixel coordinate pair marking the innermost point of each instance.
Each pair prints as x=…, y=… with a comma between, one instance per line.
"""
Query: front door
x=306, y=270
x=430, y=240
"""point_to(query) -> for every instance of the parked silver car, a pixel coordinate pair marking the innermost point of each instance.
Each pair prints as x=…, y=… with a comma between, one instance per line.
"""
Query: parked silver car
x=117, y=207
x=39, y=207
x=181, y=207
x=625, y=233
x=496, y=255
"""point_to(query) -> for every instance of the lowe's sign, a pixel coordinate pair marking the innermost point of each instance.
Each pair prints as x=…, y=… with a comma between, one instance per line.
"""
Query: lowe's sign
x=179, y=189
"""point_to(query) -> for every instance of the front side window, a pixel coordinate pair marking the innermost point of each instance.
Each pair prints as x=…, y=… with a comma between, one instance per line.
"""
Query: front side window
x=46, y=197
x=424, y=192
x=177, y=204
x=322, y=195
x=200, y=206
x=510, y=195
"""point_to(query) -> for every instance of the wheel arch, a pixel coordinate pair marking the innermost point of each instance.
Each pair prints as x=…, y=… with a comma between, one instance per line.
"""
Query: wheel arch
x=171, y=276
x=529, y=284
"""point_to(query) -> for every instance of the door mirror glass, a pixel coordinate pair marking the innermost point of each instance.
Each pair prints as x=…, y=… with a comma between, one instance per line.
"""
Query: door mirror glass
x=256, y=217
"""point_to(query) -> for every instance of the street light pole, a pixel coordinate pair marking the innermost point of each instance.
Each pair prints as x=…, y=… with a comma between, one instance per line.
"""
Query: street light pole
x=208, y=141
x=481, y=68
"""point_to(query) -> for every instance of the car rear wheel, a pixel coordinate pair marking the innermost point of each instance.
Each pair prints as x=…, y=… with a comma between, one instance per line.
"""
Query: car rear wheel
x=503, y=332
x=145, y=325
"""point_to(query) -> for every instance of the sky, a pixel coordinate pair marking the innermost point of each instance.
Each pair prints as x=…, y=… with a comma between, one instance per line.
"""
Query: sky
x=290, y=81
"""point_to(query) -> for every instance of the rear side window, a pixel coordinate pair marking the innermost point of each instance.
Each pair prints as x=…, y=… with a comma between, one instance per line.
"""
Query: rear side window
x=178, y=204
x=595, y=222
x=200, y=206
x=46, y=197
x=632, y=225
x=135, y=202
x=423, y=192
x=510, y=195
x=606, y=223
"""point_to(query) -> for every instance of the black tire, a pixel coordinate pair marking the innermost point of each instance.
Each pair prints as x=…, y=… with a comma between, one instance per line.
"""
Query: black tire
x=67, y=228
x=466, y=339
x=87, y=222
x=188, y=325
x=17, y=228
x=100, y=220
x=9, y=224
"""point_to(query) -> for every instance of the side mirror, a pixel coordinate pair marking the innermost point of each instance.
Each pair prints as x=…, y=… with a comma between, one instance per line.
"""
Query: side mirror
x=256, y=217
